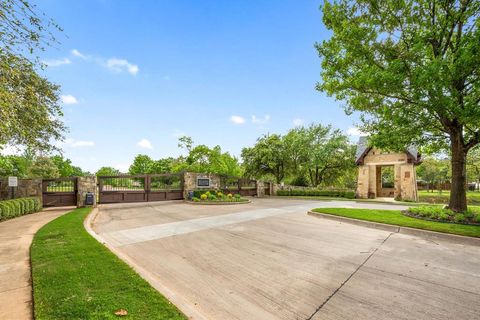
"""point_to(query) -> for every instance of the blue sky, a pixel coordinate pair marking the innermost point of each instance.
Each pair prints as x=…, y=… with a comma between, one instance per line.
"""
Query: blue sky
x=135, y=75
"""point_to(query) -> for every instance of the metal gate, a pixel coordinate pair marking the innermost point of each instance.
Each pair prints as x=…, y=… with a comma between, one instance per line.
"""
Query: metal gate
x=244, y=187
x=140, y=188
x=59, y=192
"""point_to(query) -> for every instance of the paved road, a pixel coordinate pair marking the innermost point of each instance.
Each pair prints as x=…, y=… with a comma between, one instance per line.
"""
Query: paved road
x=269, y=260
x=16, y=235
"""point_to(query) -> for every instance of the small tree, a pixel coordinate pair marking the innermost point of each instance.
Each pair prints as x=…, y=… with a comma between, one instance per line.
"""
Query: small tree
x=412, y=68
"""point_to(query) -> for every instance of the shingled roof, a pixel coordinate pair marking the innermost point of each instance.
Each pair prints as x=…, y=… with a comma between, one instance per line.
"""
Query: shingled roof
x=363, y=148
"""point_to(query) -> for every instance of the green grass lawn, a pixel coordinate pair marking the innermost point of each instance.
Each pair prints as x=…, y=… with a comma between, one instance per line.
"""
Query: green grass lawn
x=76, y=277
x=473, y=197
x=395, y=217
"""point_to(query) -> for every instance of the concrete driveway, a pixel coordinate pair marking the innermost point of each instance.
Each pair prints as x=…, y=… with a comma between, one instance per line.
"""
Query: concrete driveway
x=269, y=260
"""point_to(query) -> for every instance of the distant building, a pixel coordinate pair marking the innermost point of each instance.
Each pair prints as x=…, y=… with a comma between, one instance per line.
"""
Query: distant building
x=371, y=161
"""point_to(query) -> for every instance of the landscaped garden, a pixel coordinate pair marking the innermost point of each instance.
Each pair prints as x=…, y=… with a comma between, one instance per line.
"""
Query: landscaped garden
x=217, y=197
x=76, y=277
x=396, y=217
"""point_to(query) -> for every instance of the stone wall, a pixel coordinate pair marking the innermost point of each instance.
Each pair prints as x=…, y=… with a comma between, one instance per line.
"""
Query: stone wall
x=190, y=182
x=85, y=185
x=26, y=188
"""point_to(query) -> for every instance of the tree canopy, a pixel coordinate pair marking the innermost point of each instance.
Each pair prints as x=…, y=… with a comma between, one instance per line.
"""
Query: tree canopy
x=412, y=68
x=314, y=155
x=29, y=110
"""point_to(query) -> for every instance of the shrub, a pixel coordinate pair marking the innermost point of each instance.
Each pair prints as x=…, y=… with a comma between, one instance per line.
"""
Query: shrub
x=237, y=196
x=195, y=199
x=443, y=216
x=18, y=207
x=212, y=197
x=204, y=196
x=220, y=194
x=477, y=218
x=230, y=196
x=459, y=217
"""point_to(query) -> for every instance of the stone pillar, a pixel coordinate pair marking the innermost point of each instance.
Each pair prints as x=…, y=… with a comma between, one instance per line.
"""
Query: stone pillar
x=85, y=185
x=397, y=191
x=190, y=182
x=372, y=181
x=408, y=182
x=260, y=189
x=362, y=182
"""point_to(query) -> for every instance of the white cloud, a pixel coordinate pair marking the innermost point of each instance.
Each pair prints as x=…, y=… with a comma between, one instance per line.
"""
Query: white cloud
x=77, y=143
x=68, y=99
x=237, y=119
x=114, y=64
x=57, y=62
x=122, y=167
x=297, y=122
x=354, y=131
x=260, y=120
x=119, y=65
x=78, y=54
x=144, y=143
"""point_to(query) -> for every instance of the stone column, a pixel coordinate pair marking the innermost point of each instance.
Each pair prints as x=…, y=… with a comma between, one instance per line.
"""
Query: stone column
x=260, y=189
x=408, y=182
x=85, y=185
x=362, y=182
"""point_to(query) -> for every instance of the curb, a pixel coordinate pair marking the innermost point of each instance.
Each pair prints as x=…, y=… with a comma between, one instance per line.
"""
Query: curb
x=171, y=296
x=399, y=229
x=232, y=203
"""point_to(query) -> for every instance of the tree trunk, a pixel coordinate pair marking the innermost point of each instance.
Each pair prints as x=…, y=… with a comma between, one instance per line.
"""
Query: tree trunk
x=458, y=195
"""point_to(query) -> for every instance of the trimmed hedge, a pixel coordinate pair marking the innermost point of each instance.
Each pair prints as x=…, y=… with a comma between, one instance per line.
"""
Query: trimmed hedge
x=19, y=207
x=317, y=193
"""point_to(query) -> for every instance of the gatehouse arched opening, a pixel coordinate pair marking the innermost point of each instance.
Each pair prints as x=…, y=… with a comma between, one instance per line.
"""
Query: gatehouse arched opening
x=386, y=174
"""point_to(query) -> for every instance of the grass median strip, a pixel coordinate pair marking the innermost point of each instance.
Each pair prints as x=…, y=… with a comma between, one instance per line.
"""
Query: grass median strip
x=395, y=217
x=76, y=277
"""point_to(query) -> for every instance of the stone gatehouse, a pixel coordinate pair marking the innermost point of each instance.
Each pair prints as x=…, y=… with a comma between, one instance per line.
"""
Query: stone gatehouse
x=386, y=174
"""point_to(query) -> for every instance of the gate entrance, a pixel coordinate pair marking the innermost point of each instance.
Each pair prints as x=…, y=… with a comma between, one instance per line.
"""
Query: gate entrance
x=59, y=192
x=140, y=188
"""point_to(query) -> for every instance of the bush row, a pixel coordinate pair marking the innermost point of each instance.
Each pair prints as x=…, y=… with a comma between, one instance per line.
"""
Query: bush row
x=317, y=193
x=19, y=207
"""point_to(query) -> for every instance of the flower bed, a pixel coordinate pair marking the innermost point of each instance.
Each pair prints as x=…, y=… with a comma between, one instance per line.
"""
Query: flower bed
x=217, y=197
x=437, y=213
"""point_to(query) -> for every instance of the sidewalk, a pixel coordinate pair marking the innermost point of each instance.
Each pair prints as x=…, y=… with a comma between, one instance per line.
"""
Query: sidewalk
x=15, y=277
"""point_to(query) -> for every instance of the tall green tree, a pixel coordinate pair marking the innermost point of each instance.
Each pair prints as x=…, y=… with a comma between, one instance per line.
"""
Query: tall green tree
x=142, y=164
x=329, y=154
x=65, y=167
x=43, y=167
x=202, y=158
x=107, y=171
x=412, y=69
x=29, y=110
x=267, y=157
